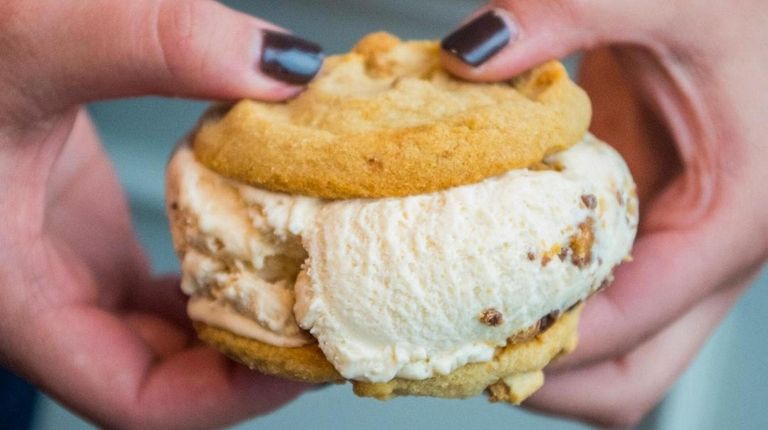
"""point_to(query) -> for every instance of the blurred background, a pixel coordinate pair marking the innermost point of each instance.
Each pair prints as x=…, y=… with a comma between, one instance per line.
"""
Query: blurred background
x=722, y=389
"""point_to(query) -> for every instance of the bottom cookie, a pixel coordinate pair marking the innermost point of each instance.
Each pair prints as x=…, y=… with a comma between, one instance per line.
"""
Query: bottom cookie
x=514, y=373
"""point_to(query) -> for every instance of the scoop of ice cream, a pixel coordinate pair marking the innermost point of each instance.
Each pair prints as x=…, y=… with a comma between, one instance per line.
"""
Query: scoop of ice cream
x=413, y=286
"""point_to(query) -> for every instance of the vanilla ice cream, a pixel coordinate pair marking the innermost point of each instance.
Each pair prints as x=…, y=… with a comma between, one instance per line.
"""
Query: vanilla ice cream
x=407, y=287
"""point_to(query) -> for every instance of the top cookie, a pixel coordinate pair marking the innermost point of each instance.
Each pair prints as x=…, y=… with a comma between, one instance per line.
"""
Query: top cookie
x=387, y=120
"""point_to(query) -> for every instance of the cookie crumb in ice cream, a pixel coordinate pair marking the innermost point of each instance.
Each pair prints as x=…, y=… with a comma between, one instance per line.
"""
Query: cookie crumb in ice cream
x=531, y=256
x=581, y=244
x=491, y=317
x=589, y=200
x=547, y=320
x=545, y=259
x=555, y=251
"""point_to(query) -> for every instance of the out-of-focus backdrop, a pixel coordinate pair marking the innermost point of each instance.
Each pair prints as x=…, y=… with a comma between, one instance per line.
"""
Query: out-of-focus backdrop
x=722, y=390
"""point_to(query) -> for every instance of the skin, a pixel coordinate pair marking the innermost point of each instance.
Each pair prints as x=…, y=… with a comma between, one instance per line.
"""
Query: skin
x=679, y=89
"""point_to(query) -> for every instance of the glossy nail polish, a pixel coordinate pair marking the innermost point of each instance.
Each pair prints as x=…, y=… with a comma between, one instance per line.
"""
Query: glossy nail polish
x=480, y=39
x=288, y=58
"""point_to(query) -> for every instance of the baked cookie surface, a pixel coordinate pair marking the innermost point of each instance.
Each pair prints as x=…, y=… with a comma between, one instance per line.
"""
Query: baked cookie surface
x=386, y=120
x=513, y=374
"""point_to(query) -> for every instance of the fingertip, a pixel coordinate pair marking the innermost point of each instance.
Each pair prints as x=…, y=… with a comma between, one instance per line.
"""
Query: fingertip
x=284, y=64
x=260, y=62
x=473, y=50
x=509, y=37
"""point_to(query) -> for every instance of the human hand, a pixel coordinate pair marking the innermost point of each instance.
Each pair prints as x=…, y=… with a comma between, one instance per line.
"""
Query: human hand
x=80, y=315
x=680, y=89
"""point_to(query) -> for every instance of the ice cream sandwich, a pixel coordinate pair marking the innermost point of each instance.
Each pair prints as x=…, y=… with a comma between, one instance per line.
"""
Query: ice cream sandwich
x=399, y=228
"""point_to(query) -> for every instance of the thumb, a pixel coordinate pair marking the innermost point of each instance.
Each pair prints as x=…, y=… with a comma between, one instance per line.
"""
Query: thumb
x=63, y=53
x=508, y=37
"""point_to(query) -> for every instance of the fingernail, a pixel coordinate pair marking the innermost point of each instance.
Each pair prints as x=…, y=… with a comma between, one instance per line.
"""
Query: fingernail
x=480, y=39
x=288, y=58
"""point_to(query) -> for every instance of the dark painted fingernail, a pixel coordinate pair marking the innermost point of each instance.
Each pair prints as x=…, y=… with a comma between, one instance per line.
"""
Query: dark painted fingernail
x=288, y=58
x=480, y=39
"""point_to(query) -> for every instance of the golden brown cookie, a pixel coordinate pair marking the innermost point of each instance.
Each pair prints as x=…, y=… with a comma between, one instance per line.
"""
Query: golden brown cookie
x=387, y=120
x=513, y=374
